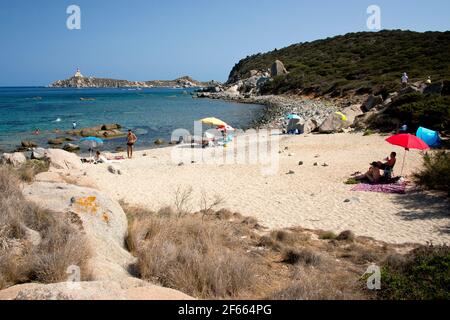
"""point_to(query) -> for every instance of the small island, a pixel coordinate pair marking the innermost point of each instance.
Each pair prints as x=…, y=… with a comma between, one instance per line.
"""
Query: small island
x=80, y=81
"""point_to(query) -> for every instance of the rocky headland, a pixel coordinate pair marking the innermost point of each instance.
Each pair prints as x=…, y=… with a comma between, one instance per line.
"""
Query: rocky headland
x=79, y=81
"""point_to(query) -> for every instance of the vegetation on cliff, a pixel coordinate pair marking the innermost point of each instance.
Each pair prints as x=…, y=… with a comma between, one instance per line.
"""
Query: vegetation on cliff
x=365, y=62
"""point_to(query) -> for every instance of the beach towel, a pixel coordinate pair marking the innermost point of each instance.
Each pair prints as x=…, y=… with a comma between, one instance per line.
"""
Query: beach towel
x=398, y=188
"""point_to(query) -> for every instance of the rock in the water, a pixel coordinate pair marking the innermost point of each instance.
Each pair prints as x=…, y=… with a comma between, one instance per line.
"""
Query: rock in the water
x=70, y=147
x=60, y=159
x=278, y=69
x=107, y=127
x=15, y=159
x=333, y=124
x=372, y=102
x=56, y=141
x=309, y=126
x=29, y=144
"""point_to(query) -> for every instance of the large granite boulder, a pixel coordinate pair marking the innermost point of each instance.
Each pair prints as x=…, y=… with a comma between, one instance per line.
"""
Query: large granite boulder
x=278, y=69
x=100, y=217
x=333, y=124
x=372, y=102
x=309, y=126
x=38, y=154
x=60, y=159
x=133, y=289
x=15, y=159
x=352, y=112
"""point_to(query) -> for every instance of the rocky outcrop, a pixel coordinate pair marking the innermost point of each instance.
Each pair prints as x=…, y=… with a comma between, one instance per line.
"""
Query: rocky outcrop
x=104, y=131
x=28, y=144
x=62, y=160
x=278, y=69
x=85, y=82
x=334, y=123
x=309, y=126
x=352, y=112
x=133, y=289
x=15, y=159
x=97, y=215
x=372, y=102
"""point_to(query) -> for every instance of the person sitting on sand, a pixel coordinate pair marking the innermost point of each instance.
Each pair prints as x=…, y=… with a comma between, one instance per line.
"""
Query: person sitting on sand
x=373, y=174
x=389, y=165
x=131, y=140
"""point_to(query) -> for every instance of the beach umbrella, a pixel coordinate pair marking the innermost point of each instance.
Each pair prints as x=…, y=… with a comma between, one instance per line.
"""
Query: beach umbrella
x=407, y=141
x=225, y=128
x=293, y=116
x=91, y=142
x=213, y=122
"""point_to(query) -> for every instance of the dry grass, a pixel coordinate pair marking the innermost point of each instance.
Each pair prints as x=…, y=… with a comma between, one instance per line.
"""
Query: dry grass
x=225, y=255
x=302, y=256
x=31, y=168
x=196, y=256
x=35, y=245
x=314, y=284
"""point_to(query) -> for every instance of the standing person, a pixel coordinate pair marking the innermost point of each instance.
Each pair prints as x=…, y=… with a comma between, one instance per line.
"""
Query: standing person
x=131, y=140
x=405, y=79
x=74, y=125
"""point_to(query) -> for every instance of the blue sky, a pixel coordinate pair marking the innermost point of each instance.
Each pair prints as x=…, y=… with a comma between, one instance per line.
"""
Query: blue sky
x=156, y=39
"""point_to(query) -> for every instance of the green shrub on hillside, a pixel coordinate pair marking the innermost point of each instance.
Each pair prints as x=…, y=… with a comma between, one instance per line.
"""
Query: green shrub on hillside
x=435, y=174
x=371, y=60
x=417, y=110
x=422, y=275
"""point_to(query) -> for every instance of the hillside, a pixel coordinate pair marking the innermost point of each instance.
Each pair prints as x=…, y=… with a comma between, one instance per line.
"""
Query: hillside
x=91, y=82
x=362, y=63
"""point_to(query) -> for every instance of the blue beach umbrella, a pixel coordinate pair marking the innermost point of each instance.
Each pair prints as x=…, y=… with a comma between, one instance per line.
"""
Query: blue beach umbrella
x=293, y=116
x=91, y=142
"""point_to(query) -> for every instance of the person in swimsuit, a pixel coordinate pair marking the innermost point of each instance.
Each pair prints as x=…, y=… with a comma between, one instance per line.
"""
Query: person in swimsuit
x=131, y=140
x=373, y=175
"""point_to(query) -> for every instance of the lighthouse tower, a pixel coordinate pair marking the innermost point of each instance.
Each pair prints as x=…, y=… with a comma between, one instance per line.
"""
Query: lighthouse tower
x=78, y=74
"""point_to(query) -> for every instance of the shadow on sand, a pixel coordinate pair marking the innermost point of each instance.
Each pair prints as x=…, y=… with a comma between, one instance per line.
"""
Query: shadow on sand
x=419, y=205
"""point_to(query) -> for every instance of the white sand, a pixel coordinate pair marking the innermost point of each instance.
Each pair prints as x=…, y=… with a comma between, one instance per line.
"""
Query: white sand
x=313, y=197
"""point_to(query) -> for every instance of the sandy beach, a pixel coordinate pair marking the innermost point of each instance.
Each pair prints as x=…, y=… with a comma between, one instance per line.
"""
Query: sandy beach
x=312, y=197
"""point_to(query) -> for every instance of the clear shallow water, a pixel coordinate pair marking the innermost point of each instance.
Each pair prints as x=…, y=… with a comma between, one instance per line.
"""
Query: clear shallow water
x=152, y=113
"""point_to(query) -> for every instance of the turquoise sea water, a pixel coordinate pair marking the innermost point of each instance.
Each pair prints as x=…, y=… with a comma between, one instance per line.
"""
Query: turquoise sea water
x=152, y=113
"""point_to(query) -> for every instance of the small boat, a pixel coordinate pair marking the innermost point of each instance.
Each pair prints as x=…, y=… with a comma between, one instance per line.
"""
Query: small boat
x=87, y=99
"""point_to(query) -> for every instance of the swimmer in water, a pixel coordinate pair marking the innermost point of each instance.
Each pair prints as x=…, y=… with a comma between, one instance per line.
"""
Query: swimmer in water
x=37, y=132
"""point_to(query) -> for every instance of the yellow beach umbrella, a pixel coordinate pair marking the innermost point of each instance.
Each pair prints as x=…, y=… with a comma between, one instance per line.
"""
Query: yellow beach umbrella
x=213, y=122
